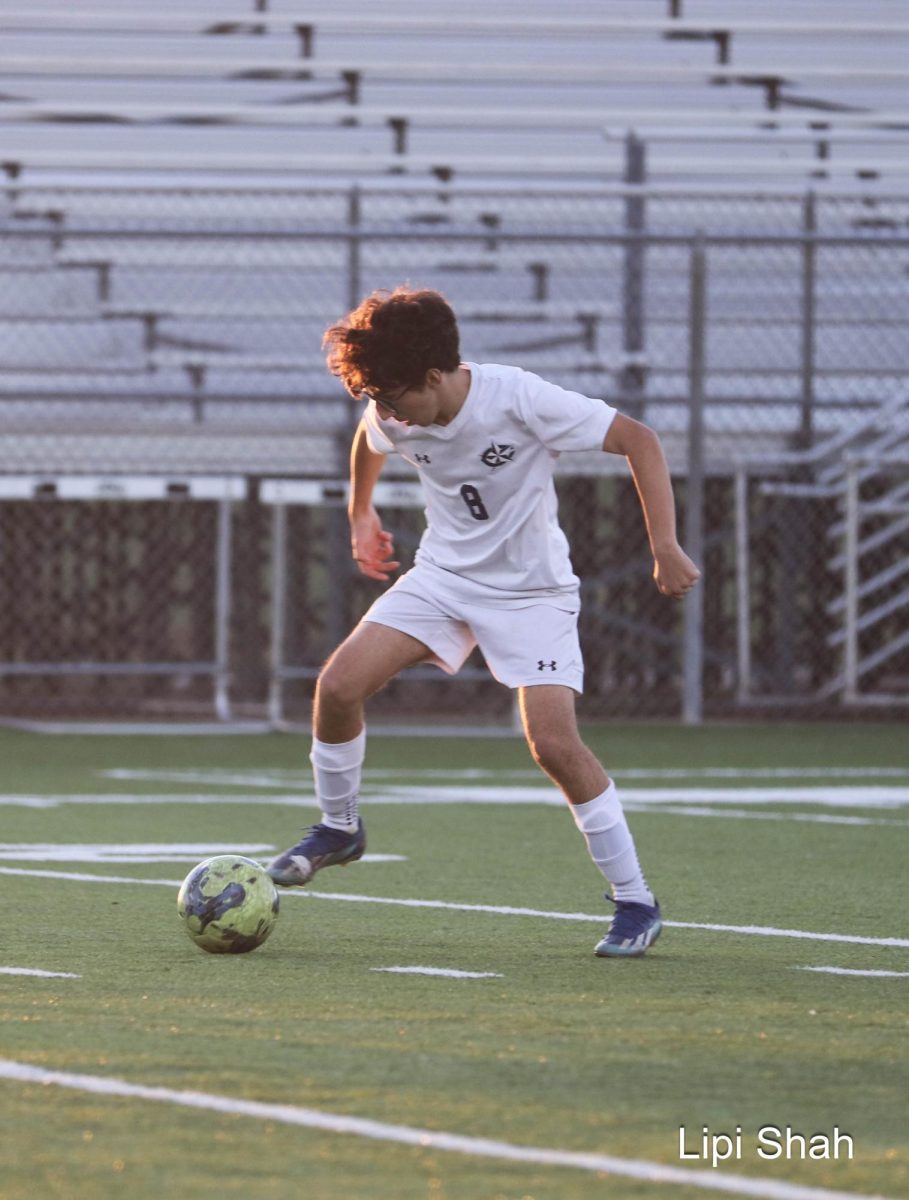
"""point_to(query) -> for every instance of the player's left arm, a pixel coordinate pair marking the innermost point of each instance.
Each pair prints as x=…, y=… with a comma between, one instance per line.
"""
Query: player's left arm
x=674, y=572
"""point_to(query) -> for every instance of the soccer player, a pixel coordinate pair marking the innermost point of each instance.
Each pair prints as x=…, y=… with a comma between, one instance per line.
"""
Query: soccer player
x=492, y=569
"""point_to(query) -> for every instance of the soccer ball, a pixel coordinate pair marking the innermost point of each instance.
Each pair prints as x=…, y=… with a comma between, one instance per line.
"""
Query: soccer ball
x=228, y=904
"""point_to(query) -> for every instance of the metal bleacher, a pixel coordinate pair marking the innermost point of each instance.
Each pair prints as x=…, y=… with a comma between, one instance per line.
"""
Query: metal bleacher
x=190, y=194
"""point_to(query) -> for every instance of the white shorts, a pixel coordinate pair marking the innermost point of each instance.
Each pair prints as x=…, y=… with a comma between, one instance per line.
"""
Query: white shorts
x=525, y=641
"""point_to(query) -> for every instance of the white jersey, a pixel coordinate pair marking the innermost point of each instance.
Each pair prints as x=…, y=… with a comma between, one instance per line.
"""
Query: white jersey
x=491, y=505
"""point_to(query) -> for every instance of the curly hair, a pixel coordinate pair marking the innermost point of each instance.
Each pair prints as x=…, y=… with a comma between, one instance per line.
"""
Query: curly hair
x=391, y=339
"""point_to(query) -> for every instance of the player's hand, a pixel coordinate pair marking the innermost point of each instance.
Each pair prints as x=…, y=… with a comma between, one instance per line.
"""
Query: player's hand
x=674, y=572
x=372, y=546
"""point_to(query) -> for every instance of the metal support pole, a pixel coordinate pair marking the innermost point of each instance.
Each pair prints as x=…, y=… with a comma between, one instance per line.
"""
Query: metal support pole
x=809, y=322
x=222, y=610
x=337, y=528
x=353, y=259
x=693, y=646
x=631, y=383
x=278, y=615
x=851, y=573
x=743, y=592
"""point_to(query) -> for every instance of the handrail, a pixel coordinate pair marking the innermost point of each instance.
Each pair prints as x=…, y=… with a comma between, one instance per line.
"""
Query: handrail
x=460, y=70
x=116, y=20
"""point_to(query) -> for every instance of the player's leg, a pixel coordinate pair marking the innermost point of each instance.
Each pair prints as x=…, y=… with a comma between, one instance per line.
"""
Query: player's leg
x=405, y=626
x=550, y=725
x=551, y=729
x=371, y=656
x=535, y=650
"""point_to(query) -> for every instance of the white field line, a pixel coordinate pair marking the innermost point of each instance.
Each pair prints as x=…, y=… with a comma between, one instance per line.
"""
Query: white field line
x=493, y=909
x=232, y=728
x=853, y=971
x=598, y=918
x=624, y=773
x=55, y=801
x=214, y=778
x=130, y=852
x=448, y=973
x=741, y=814
x=141, y=852
x=283, y=778
x=548, y=799
x=828, y=797
x=426, y=1139
x=38, y=974
x=654, y=799
x=139, y=728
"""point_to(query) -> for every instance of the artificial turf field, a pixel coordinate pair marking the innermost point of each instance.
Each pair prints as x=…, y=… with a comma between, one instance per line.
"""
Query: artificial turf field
x=749, y=835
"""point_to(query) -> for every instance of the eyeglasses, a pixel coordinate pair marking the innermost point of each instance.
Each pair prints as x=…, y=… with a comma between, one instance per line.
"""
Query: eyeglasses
x=381, y=402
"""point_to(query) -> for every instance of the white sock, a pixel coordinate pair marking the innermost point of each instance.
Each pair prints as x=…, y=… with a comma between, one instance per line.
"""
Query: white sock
x=611, y=845
x=337, y=767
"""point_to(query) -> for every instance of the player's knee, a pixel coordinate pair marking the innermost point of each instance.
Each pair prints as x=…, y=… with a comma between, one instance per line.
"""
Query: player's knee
x=338, y=688
x=552, y=750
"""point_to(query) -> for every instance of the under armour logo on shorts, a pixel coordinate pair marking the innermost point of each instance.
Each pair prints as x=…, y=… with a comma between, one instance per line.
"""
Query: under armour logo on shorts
x=546, y=666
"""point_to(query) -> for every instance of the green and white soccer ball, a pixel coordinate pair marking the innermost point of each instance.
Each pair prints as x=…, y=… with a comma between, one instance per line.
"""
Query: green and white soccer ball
x=228, y=904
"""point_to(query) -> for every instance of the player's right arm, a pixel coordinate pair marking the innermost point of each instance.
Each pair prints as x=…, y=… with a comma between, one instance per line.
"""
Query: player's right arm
x=372, y=546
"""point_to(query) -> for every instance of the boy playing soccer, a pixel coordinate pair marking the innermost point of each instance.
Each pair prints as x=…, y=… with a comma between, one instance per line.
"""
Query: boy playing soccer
x=492, y=569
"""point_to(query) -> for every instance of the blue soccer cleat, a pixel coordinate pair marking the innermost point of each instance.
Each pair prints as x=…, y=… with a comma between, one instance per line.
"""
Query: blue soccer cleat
x=322, y=847
x=634, y=927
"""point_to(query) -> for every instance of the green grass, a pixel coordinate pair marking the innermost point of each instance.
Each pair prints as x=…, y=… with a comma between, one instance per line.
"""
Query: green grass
x=563, y=1051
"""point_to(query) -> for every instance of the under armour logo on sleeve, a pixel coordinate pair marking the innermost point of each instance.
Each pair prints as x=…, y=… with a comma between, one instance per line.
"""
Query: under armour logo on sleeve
x=546, y=666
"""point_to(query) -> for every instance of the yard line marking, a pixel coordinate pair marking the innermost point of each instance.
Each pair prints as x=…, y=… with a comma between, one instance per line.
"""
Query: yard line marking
x=221, y=778
x=494, y=909
x=829, y=797
x=134, y=798
x=427, y=1139
x=741, y=814
x=508, y=911
x=85, y=877
x=623, y=773
x=852, y=971
x=141, y=852
x=140, y=728
x=871, y=797
x=542, y=793
x=282, y=778
x=39, y=974
x=447, y=972
x=130, y=852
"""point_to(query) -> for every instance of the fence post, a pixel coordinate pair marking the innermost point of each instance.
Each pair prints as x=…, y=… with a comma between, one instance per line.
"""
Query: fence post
x=693, y=645
x=743, y=592
x=338, y=560
x=278, y=615
x=353, y=257
x=222, y=609
x=809, y=227
x=632, y=377
x=851, y=583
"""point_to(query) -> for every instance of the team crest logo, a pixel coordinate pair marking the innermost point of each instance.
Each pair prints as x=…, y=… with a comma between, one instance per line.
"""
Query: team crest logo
x=497, y=455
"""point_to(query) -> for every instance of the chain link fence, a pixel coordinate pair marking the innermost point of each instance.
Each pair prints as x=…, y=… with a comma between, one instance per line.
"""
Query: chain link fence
x=175, y=334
